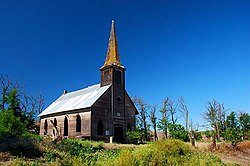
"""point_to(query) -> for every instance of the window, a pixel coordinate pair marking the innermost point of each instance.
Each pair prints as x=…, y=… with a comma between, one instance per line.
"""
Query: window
x=118, y=77
x=55, y=122
x=100, y=128
x=45, y=127
x=66, y=127
x=78, y=123
x=106, y=75
x=118, y=99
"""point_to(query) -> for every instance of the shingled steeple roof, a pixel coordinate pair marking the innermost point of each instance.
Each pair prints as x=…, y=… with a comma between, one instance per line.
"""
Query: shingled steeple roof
x=112, y=56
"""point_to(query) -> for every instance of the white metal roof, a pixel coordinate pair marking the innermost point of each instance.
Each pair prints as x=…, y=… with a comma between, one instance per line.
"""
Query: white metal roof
x=83, y=98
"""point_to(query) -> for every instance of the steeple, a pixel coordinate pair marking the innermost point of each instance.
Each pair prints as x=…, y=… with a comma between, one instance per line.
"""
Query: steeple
x=112, y=56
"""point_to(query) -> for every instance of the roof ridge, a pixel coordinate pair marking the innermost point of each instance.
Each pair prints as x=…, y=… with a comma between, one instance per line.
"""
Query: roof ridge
x=81, y=89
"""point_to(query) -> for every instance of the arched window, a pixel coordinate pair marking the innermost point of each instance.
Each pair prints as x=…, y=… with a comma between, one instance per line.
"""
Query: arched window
x=45, y=127
x=66, y=128
x=78, y=123
x=100, y=128
x=55, y=122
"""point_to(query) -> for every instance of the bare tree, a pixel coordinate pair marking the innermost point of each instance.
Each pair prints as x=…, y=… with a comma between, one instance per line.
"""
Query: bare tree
x=191, y=133
x=143, y=114
x=173, y=111
x=5, y=87
x=184, y=110
x=153, y=119
x=163, y=123
x=32, y=104
x=214, y=116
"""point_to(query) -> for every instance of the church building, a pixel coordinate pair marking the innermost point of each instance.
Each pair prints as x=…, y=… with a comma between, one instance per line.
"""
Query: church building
x=102, y=112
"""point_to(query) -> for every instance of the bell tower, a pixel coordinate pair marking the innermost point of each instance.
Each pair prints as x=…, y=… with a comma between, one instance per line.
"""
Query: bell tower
x=113, y=73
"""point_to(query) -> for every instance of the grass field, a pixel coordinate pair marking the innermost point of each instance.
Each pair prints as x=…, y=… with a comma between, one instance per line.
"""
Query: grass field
x=36, y=152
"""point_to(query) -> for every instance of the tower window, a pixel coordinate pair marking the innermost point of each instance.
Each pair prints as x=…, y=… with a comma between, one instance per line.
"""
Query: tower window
x=106, y=75
x=78, y=123
x=118, y=75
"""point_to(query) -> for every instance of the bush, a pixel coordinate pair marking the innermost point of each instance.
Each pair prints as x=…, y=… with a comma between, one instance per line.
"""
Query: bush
x=134, y=136
x=167, y=152
x=208, y=134
x=234, y=136
x=51, y=156
x=86, y=151
x=197, y=135
x=177, y=131
x=172, y=152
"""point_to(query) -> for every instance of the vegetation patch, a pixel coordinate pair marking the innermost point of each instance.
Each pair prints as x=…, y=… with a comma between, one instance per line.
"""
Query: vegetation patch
x=78, y=152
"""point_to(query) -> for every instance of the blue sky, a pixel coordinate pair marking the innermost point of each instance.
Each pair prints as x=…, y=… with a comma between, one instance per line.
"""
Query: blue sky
x=198, y=49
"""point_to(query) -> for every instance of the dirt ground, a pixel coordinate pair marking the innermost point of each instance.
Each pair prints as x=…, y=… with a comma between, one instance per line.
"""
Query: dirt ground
x=239, y=155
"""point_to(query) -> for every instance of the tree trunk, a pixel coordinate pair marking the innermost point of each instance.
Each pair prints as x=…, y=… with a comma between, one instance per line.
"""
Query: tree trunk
x=145, y=129
x=213, y=142
x=187, y=122
x=155, y=134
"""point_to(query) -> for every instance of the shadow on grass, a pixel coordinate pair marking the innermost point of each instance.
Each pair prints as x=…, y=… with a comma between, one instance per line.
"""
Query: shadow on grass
x=21, y=147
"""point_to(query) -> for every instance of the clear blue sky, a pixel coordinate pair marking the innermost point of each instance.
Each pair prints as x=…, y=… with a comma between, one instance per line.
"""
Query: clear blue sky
x=198, y=49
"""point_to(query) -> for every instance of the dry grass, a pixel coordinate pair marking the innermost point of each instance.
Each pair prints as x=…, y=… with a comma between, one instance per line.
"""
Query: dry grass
x=243, y=146
x=239, y=155
x=5, y=156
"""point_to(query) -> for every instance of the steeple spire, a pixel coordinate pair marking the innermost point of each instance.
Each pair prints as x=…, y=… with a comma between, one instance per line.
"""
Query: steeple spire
x=112, y=56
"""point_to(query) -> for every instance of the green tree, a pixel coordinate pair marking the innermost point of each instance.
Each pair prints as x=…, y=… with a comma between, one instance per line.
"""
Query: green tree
x=244, y=122
x=14, y=98
x=10, y=125
x=233, y=132
x=177, y=131
x=14, y=103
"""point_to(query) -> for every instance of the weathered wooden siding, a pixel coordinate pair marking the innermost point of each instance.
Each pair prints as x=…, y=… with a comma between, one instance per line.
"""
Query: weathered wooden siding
x=101, y=110
x=130, y=112
x=85, y=123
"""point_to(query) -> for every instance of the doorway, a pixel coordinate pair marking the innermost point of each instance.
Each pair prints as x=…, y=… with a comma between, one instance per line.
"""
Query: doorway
x=118, y=134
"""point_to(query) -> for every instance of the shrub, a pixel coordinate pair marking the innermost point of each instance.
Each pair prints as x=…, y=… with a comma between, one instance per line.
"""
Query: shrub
x=172, y=152
x=208, y=134
x=134, y=136
x=197, y=135
x=177, y=131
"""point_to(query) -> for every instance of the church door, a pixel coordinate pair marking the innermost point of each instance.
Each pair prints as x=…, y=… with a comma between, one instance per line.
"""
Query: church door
x=118, y=134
